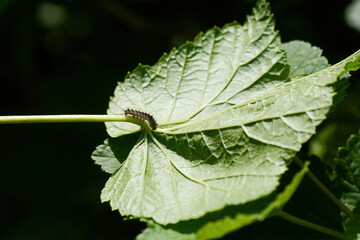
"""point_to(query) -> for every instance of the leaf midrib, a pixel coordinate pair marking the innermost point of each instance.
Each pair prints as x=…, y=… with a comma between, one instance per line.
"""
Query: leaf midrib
x=264, y=95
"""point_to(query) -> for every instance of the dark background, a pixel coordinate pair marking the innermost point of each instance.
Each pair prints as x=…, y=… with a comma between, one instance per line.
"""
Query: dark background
x=50, y=188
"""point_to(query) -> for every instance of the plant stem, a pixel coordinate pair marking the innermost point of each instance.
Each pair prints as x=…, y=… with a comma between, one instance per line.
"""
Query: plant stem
x=310, y=225
x=325, y=190
x=60, y=119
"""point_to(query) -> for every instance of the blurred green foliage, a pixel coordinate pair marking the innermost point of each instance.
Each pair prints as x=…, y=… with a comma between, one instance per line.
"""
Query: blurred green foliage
x=66, y=57
x=352, y=14
x=5, y=4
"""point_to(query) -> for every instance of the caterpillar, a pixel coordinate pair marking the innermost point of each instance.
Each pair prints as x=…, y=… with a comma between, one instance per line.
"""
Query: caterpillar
x=143, y=116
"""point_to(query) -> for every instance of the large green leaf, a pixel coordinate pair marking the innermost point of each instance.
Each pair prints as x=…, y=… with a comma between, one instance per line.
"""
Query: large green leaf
x=229, y=120
x=217, y=224
x=347, y=169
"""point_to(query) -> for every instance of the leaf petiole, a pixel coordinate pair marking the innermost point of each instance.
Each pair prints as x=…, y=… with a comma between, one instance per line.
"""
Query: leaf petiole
x=304, y=223
x=61, y=119
x=324, y=189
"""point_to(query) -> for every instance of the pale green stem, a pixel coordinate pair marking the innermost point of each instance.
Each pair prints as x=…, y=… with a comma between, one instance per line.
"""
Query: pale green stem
x=60, y=119
x=325, y=190
x=310, y=225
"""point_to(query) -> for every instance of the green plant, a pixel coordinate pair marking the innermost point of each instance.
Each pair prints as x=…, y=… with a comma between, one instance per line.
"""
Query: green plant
x=233, y=110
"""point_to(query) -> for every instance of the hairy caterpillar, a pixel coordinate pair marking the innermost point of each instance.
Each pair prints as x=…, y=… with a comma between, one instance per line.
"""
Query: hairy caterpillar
x=143, y=116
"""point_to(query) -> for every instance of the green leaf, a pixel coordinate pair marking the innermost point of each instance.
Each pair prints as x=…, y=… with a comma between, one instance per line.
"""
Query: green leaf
x=347, y=165
x=229, y=120
x=304, y=59
x=112, y=154
x=352, y=226
x=218, y=224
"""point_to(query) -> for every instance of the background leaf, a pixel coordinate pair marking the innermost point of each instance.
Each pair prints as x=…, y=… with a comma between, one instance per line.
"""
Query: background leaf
x=352, y=226
x=304, y=59
x=347, y=170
